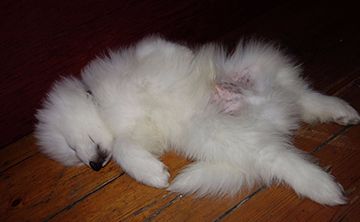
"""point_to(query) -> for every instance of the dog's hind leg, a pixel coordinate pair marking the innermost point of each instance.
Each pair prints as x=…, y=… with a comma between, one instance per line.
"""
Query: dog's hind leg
x=252, y=150
x=318, y=107
x=291, y=166
x=315, y=106
x=203, y=178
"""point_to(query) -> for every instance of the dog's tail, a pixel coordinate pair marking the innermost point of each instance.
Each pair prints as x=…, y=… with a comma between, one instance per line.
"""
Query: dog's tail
x=217, y=179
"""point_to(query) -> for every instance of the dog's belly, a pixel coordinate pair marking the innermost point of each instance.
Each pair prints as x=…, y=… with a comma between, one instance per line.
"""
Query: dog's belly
x=229, y=94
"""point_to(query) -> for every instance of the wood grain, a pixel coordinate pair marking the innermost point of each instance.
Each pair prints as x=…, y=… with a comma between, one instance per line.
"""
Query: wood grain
x=17, y=152
x=126, y=195
x=38, y=187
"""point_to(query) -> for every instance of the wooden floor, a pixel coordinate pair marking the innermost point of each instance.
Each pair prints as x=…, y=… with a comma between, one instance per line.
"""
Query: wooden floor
x=325, y=38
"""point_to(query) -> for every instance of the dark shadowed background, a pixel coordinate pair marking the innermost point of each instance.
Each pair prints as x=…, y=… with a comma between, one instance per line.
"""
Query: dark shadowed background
x=41, y=40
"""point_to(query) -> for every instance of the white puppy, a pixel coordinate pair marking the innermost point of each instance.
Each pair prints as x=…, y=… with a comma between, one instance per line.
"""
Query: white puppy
x=232, y=114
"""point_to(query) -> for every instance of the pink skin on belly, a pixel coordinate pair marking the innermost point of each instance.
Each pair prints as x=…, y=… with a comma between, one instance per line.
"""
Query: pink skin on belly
x=229, y=96
x=229, y=99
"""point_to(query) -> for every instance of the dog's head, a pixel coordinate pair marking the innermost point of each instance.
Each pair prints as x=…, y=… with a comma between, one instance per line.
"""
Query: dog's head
x=69, y=127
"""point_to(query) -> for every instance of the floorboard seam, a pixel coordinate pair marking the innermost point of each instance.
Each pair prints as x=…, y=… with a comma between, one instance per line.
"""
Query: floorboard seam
x=158, y=211
x=142, y=209
x=18, y=162
x=68, y=207
x=236, y=206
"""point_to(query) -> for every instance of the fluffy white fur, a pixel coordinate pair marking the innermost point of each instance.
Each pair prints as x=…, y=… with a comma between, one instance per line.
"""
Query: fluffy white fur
x=158, y=95
x=69, y=125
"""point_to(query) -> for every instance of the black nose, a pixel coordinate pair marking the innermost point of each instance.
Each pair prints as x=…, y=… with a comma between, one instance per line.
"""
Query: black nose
x=95, y=166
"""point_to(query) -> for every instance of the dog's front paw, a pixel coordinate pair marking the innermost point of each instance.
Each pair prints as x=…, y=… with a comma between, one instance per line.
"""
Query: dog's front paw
x=151, y=173
x=157, y=178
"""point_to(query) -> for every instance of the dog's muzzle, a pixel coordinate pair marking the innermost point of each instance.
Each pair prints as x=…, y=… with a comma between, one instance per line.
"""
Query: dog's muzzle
x=96, y=165
x=100, y=161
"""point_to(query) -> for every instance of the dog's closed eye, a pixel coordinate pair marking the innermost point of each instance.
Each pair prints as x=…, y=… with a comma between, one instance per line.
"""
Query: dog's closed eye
x=71, y=147
x=89, y=93
x=91, y=139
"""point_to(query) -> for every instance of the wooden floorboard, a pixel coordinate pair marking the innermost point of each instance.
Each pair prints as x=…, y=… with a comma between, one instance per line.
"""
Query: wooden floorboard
x=17, y=152
x=34, y=188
